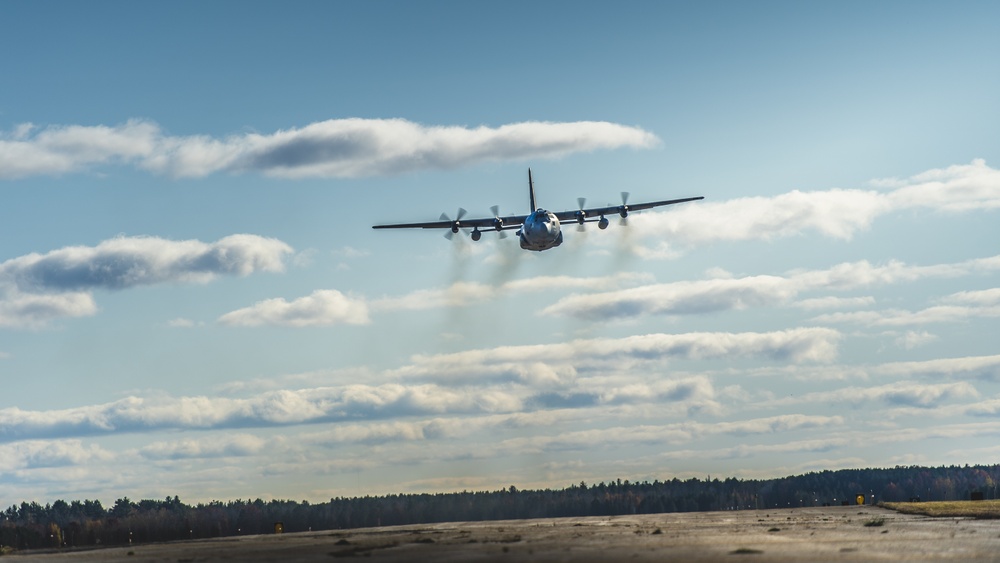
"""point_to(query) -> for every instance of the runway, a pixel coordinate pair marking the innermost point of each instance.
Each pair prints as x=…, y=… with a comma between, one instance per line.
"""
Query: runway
x=845, y=533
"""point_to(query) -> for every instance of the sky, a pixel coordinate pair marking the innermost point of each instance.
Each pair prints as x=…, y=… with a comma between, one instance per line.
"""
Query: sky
x=193, y=302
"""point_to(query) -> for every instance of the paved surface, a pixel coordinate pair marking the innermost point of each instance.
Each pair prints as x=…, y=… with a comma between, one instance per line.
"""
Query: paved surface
x=807, y=534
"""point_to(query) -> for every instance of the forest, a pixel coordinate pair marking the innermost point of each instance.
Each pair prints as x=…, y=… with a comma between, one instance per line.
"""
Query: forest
x=76, y=524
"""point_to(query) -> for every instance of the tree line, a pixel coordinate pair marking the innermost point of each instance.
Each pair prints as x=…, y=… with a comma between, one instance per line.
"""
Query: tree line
x=88, y=523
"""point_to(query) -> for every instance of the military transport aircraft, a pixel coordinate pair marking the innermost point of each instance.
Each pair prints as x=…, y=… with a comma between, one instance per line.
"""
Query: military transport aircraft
x=540, y=229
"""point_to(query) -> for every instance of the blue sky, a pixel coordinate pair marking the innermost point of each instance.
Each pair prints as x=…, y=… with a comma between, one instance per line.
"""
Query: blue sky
x=192, y=300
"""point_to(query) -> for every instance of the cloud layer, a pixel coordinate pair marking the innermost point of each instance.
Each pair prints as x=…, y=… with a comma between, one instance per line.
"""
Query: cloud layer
x=508, y=380
x=333, y=148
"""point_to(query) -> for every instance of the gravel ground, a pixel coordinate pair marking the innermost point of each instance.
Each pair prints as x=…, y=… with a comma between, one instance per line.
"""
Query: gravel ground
x=855, y=533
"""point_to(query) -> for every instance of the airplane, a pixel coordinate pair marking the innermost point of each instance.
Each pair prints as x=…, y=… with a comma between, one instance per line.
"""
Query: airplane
x=540, y=230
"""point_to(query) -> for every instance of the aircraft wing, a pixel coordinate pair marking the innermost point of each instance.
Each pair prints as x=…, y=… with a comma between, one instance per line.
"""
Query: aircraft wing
x=509, y=222
x=652, y=204
x=617, y=209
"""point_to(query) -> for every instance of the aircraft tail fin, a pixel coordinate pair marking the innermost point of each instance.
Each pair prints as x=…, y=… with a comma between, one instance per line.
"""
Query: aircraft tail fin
x=531, y=192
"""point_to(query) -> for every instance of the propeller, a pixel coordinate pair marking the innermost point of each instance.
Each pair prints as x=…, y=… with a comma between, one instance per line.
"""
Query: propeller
x=497, y=221
x=455, y=223
x=623, y=210
x=581, y=215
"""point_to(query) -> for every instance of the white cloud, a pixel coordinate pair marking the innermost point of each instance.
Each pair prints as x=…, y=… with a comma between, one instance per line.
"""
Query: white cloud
x=897, y=317
x=901, y=394
x=923, y=433
x=982, y=298
x=835, y=213
x=835, y=302
x=30, y=454
x=726, y=293
x=692, y=393
x=37, y=288
x=437, y=428
x=57, y=150
x=124, y=262
x=774, y=424
x=25, y=310
x=667, y=434
x=961, y=187
x=322, y=308
x=678, y=298
x=985, y=368
x=332, y=148
x=907, y=393
x=970, y=367
x=517, y=362
x=277, y=408
x=913, y=339
x=396, y=431
x=986, y=408
x=234, y=445
x=799, y=446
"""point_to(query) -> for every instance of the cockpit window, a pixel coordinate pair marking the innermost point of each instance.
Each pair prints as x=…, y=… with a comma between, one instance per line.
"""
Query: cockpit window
x=544, y=216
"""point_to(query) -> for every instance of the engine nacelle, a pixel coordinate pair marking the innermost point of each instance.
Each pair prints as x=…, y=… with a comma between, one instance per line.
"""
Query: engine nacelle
x=580, y=216
x=603, y=223
x=623, y=211
x=476, y=235
x=498, y=224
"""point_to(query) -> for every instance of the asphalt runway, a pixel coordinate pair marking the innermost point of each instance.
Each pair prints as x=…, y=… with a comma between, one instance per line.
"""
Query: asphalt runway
x=845, y=533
